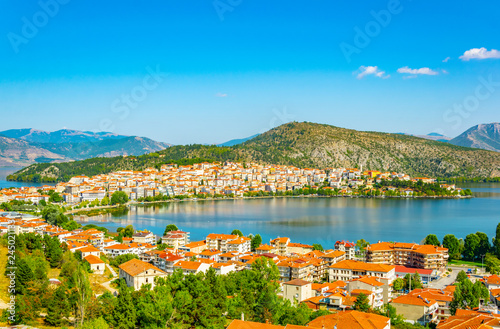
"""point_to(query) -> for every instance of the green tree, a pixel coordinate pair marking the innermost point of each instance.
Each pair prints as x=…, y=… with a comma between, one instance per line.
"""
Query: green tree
x=170, y=227
x=256, y=241
x=119, y=197
x=461, y=277
x=496, y=243
x=453, y=245
x=492, y=264
x=237, y=232
x=55, y=197
x=98, y=323
x=57, y=307
x=124, y=313
x=362, y=304
x=362, y=244
x=398, y=284
x=317, y=246
x=81, y=291
x=467, y=295
x=432, y=239
x=53, y=250
x=24, y=276
x=128, y=231
x=471, y=246
x=484, y=246
x=105, y=201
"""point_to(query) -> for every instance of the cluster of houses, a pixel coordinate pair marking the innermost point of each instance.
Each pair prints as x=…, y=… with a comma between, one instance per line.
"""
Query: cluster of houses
x=230, y=179
x=330, y=279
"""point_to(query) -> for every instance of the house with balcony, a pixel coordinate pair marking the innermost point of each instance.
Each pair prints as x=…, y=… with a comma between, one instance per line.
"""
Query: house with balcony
x=371, y=284
x=281, y=246
x=348, y=247
x=416, y=308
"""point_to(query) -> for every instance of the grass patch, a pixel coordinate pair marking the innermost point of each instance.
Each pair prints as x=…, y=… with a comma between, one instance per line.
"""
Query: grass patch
x=53, y=273
x=464, y=263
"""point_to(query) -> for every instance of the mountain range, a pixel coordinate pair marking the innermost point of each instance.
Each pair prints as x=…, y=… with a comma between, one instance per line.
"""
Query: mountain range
x=483, y=136
x=304, y=144
x=21, y=147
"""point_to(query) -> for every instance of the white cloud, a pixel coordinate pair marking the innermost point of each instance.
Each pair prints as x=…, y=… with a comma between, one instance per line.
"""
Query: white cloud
x=422, y=71
x=371, y=70
x=480, y=53
x=446, y=59
x=220, y=95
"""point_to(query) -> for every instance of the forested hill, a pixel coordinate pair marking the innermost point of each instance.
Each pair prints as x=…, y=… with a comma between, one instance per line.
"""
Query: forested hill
x=304, y=145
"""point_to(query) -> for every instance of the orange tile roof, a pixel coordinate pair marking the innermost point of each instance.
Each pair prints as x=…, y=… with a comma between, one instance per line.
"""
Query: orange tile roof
x=350, y=320
x=493, y=279
x=357, y=265
x=371, y=280
x=297, y=282
x=413, y=300
x=188, y=265
x=91, y=259
x=135, y=266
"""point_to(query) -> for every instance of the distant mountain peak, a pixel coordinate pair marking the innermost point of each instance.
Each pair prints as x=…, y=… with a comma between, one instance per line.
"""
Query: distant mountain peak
x=484, y=136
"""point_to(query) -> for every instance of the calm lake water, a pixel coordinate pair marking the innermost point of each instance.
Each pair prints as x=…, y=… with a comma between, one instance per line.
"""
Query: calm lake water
x=6, y=171
x=323, y=220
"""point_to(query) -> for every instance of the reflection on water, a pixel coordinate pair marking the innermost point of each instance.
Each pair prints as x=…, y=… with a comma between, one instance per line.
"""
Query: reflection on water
x=322, y=220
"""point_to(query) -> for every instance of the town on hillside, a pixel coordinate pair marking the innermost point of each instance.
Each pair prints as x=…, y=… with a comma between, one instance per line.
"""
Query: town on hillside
x=229, y=179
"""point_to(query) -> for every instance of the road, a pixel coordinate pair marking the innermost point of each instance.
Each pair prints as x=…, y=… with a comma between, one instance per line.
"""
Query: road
x=107, y=284
x=447, y=280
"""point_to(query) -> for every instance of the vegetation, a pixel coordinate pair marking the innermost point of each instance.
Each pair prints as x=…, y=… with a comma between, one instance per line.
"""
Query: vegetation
x=237, y=232
x=303, y=145
x=119, y=197
x=170, y=227
x=432, y=239
x=256, y=242
x=467, y=294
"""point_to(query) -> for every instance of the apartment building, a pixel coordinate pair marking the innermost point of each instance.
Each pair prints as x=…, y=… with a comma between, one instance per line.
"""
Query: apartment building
x=372, y=285
x=144, y=237
x=348, y=270
x=176, y=239
x=280, y=246
x=348, y=247
x=220, y=241
x=408, y=254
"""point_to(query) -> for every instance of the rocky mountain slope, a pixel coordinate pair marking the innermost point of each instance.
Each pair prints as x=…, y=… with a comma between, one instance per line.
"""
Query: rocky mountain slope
x=483, y=136
x=59, y=136
x=22, y=147
x=17, y=152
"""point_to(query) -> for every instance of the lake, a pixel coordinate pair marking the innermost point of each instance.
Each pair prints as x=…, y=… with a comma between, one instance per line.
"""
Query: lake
x=6, y=171
x=323, y=220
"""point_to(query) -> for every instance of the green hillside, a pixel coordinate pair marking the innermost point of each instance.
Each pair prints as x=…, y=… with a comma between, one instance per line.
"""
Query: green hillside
x=304, y=145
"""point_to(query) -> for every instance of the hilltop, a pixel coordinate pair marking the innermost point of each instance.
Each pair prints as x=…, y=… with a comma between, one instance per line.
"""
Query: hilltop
x=484, y=136
x=306, y=144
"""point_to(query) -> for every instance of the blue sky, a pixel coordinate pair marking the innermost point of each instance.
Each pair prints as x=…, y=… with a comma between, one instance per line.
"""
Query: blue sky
x=209, y=71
